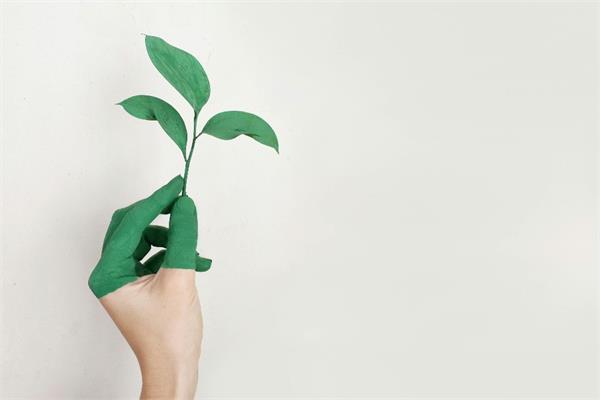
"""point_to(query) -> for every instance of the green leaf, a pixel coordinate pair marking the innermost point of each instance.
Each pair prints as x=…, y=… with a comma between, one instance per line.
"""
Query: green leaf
x=181, y=69
x=154, y=109
x=230, y=124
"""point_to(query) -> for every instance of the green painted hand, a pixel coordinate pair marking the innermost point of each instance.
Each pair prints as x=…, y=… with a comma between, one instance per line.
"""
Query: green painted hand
x=130, y=236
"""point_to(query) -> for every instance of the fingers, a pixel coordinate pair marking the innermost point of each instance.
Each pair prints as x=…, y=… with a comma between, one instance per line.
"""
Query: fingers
x=152, y=265
x=116, y=266
x=126, y=237
x=167, y=209
x=156, y=235
x=145, y=211
x=202, y=264
x=114, y=223
x=153, y=235
x=118, y=216
x=183, y=235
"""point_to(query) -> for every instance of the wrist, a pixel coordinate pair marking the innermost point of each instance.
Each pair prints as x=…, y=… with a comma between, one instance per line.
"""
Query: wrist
x=161, y=380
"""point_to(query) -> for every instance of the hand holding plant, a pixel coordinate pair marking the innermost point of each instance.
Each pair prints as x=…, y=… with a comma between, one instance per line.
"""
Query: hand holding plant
x=155, y=303
x=129, y=237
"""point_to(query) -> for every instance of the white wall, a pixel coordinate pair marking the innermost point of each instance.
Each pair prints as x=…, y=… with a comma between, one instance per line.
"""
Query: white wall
x=428, y=230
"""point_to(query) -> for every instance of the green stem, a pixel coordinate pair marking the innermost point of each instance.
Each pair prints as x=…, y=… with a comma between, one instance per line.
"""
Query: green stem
x=189, y=156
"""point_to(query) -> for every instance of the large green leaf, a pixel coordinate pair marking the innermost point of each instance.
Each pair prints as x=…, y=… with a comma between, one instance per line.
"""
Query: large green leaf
x=154, y=109
x=181, y=69
x=230, y=124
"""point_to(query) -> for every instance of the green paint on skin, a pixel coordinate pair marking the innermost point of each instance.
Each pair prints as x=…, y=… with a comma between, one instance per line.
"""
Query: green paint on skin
x=130, y=236
x=183, y=235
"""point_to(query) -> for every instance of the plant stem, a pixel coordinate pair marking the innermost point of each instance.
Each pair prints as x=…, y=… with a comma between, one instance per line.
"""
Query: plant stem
x=189, y=156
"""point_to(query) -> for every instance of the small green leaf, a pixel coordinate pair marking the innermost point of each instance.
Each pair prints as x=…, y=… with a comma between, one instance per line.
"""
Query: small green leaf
x=230, y=124
x=154, y=109
x=181, y=69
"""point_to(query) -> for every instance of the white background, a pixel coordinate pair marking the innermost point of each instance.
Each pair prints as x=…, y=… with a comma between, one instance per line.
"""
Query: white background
x=428, y=230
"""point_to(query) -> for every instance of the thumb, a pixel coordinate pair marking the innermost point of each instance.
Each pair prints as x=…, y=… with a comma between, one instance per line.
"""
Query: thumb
x=183, y=235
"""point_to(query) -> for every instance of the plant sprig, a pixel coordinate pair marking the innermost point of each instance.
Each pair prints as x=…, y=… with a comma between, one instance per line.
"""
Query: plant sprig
x=183, y=71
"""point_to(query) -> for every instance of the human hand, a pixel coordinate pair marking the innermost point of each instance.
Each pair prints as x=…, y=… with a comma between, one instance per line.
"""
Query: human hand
x=155, y=304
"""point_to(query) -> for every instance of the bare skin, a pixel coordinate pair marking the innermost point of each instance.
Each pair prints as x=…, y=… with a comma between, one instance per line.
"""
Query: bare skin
x=159, y=316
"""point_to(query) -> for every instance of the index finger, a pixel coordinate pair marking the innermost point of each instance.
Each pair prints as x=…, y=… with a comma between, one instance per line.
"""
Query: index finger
x=127, y=235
